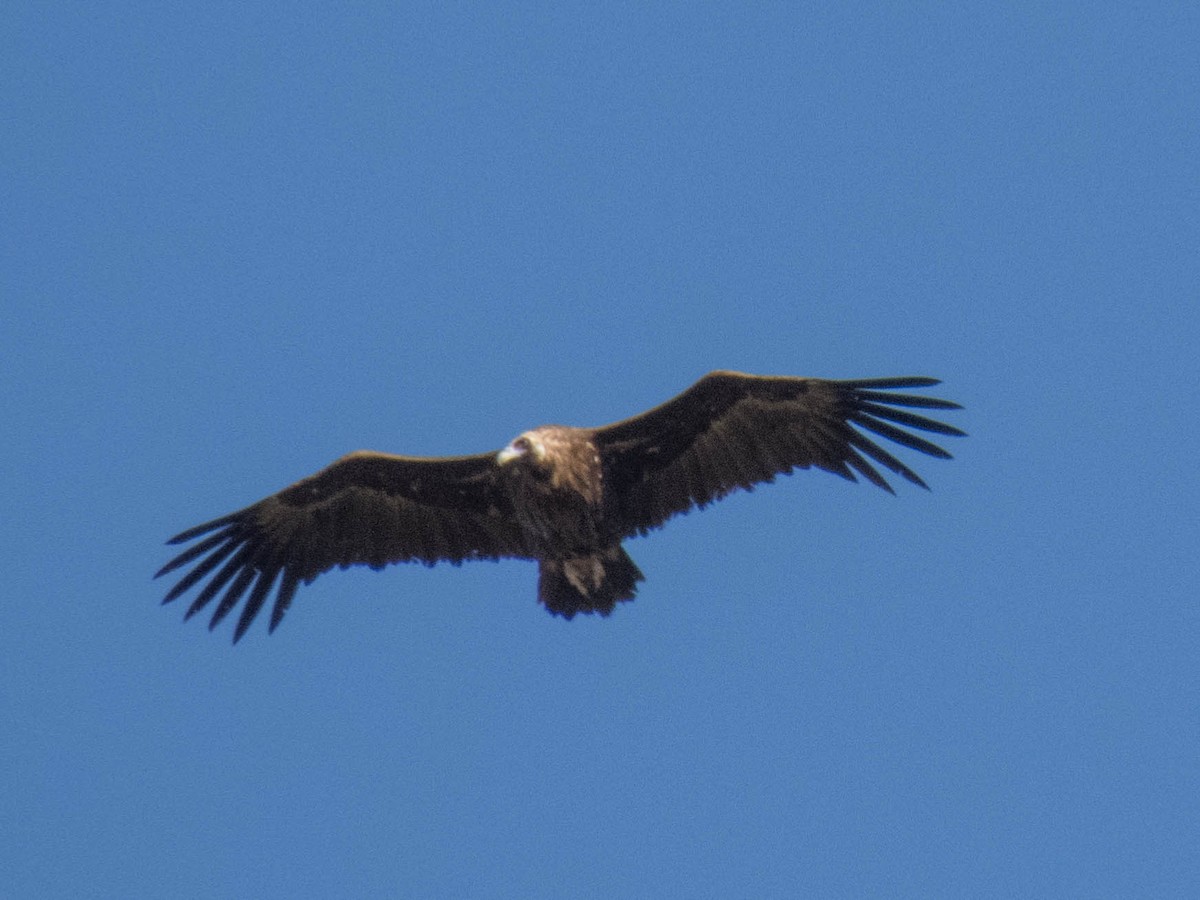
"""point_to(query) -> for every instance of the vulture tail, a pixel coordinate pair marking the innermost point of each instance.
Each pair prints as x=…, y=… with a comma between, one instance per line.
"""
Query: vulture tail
x=588, y=584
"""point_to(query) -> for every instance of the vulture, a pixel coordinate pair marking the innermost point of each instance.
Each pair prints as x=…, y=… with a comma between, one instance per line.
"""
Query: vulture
x=565, y=497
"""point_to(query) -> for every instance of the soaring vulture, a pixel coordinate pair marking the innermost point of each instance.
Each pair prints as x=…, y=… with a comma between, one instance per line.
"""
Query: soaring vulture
x=566, y=497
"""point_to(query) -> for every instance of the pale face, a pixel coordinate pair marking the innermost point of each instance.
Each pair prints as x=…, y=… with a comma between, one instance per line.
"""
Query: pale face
x=521, y=446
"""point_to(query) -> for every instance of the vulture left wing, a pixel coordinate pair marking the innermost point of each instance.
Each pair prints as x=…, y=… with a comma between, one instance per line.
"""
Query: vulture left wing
x=731, y=431
x=369, y=508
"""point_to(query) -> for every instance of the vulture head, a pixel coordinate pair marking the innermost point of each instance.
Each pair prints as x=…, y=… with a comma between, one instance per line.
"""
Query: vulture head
x=526, y=446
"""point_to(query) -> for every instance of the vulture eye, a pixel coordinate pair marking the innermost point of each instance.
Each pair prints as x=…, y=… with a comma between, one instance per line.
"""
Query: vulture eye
x=521, y=443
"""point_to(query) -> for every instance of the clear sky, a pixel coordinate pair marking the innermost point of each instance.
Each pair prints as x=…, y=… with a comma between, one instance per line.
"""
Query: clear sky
x=241, y=239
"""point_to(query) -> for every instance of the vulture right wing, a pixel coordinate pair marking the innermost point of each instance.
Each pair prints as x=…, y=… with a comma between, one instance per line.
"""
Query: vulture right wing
x=370, y=508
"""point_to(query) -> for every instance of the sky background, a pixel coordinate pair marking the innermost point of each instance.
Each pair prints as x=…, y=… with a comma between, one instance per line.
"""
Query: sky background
x=242, y=239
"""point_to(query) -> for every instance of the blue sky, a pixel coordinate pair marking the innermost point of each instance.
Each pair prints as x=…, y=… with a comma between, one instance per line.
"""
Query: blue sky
x=241, y=240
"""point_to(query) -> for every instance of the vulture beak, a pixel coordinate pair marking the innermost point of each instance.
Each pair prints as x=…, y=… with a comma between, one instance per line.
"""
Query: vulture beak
x=511, y=452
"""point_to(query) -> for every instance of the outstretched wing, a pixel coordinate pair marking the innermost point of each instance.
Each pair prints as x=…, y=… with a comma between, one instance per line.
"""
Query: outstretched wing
x=368, y=508
x=730, y=431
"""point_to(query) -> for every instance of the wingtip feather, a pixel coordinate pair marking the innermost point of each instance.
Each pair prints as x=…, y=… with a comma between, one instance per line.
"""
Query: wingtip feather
x=184, y=536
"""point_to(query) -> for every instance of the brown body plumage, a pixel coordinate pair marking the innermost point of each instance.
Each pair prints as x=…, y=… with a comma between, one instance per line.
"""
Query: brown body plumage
x=566, y=497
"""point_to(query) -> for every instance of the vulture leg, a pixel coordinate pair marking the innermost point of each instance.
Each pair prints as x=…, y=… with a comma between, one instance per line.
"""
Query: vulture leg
x=588, y=584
